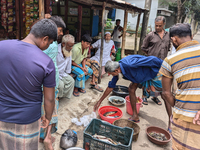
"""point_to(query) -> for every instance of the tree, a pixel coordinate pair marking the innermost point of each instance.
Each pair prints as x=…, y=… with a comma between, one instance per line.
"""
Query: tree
x=183, y=8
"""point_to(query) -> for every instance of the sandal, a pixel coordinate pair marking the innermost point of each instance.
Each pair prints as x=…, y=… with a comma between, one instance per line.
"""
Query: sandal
x=144, y=101
x=156, y=100
x=81, y=91
x=136, y=121
x=96, y=87
x=169, y=130
x=76, y=94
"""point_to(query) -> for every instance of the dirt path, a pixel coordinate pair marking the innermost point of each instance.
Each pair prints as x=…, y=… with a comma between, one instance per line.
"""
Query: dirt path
x=151, y=114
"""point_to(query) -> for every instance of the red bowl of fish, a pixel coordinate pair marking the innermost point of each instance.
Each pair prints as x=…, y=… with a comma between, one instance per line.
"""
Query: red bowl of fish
x=158, y=135
x=110, y=113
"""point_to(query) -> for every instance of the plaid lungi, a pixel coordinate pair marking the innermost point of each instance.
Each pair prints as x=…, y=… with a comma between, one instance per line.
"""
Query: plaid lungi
x=152, y=87
x=94, y=65
x=19, y=137
x=185, y=135
x=54, y=119
x=80, y=76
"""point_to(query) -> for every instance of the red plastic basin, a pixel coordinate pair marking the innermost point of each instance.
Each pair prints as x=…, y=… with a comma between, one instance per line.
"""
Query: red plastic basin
x=129, y=109
x=104, y=109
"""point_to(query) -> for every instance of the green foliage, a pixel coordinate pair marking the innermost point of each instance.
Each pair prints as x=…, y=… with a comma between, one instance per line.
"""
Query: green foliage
x=109, y=23
x=189, y=7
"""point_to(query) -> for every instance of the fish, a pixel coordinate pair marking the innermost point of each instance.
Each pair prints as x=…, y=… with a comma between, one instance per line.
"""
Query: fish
x=158, y=136
x=68, y=139
x=112, y=116
x=117, y=101
x=110, y=113
x=105, y=139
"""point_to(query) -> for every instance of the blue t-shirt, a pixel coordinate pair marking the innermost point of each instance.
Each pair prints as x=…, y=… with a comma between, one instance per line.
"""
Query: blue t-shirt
x=138, y=69
x=24, y=68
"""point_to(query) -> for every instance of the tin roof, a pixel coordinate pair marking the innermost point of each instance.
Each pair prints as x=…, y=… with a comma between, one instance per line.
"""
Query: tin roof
x=110, y=4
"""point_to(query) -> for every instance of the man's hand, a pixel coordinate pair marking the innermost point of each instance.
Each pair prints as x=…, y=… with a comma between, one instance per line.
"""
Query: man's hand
x=113, y=50
x=47, y=16
x=85, y=71
x=96, y=106
x=196, y=119
x=45, y=122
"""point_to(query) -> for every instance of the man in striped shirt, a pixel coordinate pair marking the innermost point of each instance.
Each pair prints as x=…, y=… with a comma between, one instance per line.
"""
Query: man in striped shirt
x=184, y=67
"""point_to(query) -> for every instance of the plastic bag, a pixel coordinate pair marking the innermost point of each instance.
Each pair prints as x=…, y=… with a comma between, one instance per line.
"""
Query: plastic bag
x=85, y=120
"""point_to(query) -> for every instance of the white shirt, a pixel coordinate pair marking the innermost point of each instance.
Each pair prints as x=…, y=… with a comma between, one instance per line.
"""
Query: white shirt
x=106, y=51
x=64, y=64
x=116, y=35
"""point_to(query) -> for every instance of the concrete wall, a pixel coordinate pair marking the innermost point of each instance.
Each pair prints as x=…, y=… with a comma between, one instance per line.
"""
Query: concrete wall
x=132, y=21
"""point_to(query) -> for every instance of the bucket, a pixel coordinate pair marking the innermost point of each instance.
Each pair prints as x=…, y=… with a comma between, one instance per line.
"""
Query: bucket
x=118, y=55
x=129, y=109
x=104, y=109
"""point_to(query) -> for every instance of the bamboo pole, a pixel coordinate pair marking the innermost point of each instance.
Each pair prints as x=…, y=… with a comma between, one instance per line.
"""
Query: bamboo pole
x=41, y=9
x=124, y=33
x=136, y=33
x=144, y=23
x=102, y=40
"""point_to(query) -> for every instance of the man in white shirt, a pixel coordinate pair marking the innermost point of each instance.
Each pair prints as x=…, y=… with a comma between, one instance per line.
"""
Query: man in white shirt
x=116, y=34
x=108, y=48
x=64, y=63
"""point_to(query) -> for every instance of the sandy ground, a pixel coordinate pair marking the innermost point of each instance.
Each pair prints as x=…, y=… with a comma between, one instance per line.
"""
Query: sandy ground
x=150, y=115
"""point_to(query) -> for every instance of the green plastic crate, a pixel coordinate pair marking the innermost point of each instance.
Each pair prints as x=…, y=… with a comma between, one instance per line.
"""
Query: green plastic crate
x=118, y=134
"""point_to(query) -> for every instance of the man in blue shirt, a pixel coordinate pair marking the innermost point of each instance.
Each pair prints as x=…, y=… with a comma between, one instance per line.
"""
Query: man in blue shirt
x=136, y=68
x=24, y=69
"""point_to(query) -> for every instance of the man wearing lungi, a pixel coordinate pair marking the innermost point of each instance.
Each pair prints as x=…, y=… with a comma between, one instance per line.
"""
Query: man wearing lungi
x=52, y=51
x=64, y=62
x=24, y=69
x=79, y=67
x=156, y=43
x=138, y=69
x=184, y=67
x=108, y=48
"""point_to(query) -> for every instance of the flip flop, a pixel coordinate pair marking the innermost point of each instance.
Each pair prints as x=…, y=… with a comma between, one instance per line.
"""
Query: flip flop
x=81, y=91
x=136, y=121
x=76, y=93
x=145, y=102
x=169, y=130
x=156, y=100
x=96, y=87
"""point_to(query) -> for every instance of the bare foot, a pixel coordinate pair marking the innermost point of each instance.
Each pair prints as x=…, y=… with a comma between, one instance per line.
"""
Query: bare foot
x=48, y=144
x=52, y=140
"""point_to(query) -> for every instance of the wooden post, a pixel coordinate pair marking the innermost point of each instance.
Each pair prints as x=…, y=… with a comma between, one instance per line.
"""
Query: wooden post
x=144, y=24
x=124, y=33
x=41, y=9
x=47, y=5
x=21, y=19
x=136, y=33
x=66, y=11
x=17, y=19
x=102, y=40
x=79, y=22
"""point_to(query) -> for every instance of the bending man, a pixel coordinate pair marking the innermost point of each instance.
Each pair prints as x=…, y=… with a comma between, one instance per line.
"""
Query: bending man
x=137, y=69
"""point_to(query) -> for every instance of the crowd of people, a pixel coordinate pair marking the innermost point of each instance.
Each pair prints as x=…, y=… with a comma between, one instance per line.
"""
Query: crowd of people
x=48, y=65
